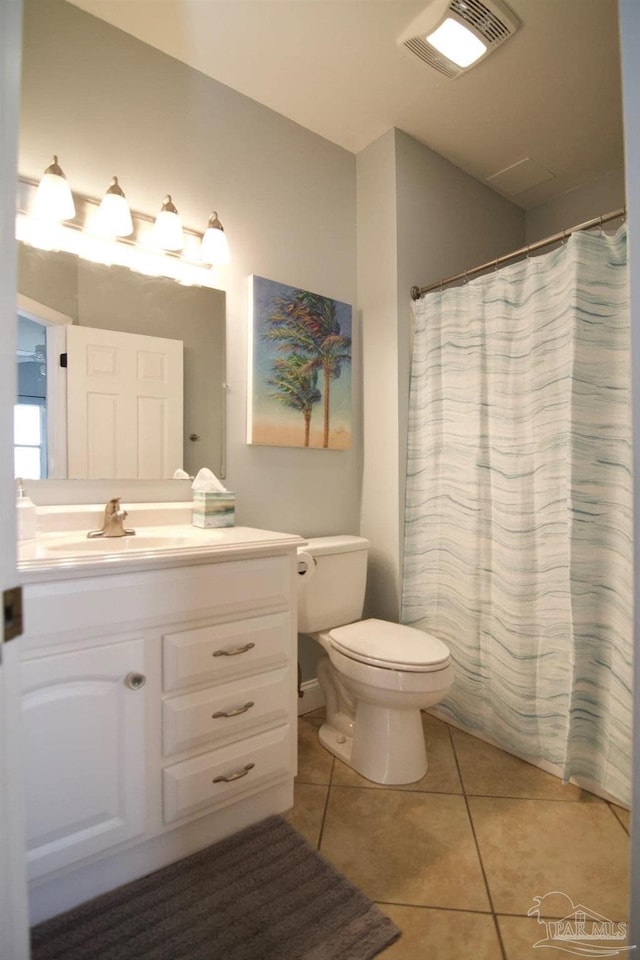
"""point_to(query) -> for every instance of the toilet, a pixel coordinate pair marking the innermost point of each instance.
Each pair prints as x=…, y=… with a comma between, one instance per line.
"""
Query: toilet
x=376, y=675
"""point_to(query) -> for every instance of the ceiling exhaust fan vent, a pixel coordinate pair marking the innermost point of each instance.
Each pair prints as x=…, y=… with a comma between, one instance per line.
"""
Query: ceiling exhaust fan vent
x=489, y=21
x=485, y=20
x=431, y=56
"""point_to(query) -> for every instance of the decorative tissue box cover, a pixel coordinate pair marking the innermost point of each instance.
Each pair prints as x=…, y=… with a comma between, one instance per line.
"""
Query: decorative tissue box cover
x=213, y=509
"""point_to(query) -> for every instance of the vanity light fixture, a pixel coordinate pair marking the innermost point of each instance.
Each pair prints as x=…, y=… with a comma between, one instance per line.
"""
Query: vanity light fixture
x=108, y=232
x=114, y=216
x=53, y=200
x=214, y=248
x=167, y=230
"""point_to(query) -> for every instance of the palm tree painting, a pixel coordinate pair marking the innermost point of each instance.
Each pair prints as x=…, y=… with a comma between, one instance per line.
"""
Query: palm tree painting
x=300, y=378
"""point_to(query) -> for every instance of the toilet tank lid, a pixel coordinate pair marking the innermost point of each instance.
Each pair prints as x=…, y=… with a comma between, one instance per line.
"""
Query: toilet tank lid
x=317, y=546
x=387, y=643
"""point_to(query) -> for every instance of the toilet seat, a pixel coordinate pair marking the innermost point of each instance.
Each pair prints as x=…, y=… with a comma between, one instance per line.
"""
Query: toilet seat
x=393, y=646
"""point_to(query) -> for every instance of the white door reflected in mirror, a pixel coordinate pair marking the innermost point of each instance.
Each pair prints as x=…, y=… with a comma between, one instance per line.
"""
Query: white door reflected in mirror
x=114, y=411
x=124, y=405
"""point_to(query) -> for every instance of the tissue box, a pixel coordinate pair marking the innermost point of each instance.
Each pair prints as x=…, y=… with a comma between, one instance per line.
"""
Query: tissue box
x=213, y=509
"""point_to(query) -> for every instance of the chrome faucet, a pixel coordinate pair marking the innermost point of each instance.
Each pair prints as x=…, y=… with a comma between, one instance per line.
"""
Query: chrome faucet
x=113, y=525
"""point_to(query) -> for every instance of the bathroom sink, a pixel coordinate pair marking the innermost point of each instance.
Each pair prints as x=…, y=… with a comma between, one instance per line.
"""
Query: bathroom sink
x=96, y=546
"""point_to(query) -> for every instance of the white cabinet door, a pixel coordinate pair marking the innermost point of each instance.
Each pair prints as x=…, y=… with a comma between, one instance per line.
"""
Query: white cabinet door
x=83, y=753
x=124, y=405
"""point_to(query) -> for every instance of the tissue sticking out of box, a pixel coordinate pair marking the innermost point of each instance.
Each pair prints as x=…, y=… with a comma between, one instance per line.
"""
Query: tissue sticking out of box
x=181, y=474
x=213, y=505
x=207, y=482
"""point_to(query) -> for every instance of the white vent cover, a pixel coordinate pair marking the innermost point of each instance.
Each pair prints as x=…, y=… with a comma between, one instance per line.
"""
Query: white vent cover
x=490, y=21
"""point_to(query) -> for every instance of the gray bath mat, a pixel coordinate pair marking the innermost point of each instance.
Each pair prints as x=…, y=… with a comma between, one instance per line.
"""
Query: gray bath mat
x=263, y=894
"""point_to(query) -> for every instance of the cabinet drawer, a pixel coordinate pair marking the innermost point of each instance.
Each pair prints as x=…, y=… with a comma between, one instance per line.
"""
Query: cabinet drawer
x=223, y=713
x=86, y=606
x=215, y=653
x=223, y=775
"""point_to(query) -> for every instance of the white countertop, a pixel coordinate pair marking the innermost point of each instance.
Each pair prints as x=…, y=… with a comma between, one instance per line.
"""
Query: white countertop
x=65, y=553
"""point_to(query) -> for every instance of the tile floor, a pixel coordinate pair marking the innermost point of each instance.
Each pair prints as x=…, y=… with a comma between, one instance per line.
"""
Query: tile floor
x=456, y=859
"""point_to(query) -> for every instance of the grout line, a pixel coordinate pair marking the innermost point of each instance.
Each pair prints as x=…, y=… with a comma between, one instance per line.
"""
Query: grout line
x=385, y=788
x=621, y=822
x=505, y=796
x=432, y=906
x=326, y=804
x=475, y=840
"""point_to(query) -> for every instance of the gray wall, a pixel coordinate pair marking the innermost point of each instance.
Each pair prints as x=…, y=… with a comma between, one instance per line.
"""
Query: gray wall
x=577, y=206
x=108, y=105
x=419, y=219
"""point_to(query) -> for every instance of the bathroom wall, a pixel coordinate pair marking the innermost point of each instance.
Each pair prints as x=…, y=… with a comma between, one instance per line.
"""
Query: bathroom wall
x=420, y=219
x=577, y=206
x=108, y=104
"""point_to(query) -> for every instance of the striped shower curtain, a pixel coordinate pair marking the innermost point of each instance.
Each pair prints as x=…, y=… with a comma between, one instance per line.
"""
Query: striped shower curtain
x=518, y=527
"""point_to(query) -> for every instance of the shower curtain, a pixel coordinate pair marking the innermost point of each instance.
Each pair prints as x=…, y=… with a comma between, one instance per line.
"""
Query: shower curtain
x=518, y=525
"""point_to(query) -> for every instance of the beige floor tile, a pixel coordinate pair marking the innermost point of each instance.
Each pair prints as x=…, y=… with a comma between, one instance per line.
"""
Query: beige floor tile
x=520, y=934
x=624, y=816
x=442, y=935
x=441, y=776
x=532, y=847
x=314, y=762
x=489, y=772
x=309, y=800
x=405, y=847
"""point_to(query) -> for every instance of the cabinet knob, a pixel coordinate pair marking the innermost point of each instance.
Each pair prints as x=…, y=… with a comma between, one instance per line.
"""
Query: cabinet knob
x=135, y=680
x=234, y=776
x=235, y=651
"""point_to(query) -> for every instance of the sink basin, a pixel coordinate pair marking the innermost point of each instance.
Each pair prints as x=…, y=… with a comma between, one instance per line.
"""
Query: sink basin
x=97, y=546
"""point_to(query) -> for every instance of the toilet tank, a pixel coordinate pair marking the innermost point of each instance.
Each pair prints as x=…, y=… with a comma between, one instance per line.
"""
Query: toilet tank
x=332, y=592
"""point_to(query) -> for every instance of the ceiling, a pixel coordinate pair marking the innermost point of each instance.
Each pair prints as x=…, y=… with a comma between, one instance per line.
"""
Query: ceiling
x=548, y=98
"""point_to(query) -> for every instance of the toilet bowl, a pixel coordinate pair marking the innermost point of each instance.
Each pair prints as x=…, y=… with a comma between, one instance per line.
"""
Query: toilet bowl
x=376, y=675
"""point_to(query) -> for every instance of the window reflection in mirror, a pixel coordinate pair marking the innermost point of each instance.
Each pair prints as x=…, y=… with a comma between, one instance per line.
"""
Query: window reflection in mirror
x=30, y=414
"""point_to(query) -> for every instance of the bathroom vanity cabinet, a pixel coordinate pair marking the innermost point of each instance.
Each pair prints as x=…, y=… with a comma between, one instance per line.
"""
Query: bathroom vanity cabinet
x=159, y=709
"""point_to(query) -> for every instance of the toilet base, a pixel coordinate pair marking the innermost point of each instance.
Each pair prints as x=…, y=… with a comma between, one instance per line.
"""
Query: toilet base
x=336, y=742
x=387, y=747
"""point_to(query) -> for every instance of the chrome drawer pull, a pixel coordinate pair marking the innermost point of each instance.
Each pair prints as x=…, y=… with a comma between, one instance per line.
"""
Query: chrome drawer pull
x=135, y=680
x=235, y=652
x=233, y=713
x=234, y=776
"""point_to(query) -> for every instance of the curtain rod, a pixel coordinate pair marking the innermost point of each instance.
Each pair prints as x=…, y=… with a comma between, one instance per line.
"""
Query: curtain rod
x=417, y=292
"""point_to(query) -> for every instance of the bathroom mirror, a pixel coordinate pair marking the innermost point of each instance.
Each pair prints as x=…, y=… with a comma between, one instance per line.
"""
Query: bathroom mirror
x=115, y=298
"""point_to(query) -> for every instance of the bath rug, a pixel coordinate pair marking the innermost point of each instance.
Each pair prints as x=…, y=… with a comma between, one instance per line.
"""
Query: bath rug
x=262, y=894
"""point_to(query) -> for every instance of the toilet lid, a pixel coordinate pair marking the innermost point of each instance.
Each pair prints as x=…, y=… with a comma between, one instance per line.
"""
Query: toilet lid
x=390, y=645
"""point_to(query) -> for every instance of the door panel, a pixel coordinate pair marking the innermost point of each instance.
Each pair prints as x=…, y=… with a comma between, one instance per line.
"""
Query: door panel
x=124, y=405
x=83, y=753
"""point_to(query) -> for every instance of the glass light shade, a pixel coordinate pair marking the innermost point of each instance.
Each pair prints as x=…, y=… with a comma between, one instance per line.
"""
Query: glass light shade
x=167, y=230
x=214, y=248
x=53, y=200
x=458, y=44
x=114, y=217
